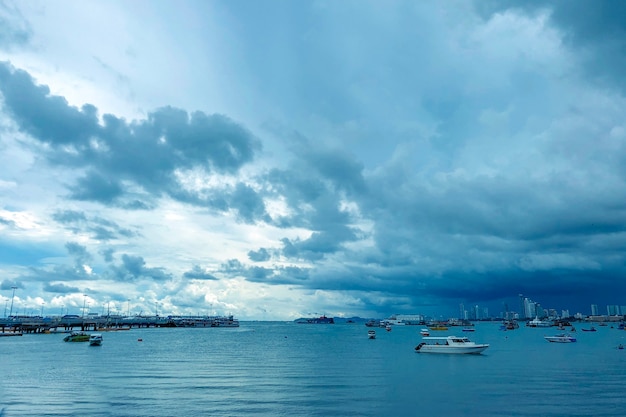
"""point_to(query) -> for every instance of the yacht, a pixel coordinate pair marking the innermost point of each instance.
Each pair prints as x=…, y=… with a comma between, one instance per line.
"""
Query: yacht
x=560, y=338
x=536, y=322
x=450, y=344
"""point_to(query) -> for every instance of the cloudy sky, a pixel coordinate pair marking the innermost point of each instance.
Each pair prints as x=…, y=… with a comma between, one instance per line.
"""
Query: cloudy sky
x=281, y=159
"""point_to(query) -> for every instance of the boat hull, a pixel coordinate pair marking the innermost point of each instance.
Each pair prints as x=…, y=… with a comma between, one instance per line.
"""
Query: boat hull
x=560, y=340
x=463, y=350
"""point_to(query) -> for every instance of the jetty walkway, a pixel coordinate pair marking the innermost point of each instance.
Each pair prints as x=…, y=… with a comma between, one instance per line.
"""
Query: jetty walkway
x=14, y=325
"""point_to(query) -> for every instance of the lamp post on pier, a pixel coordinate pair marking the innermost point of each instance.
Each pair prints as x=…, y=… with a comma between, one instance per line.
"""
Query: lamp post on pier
x=12, y=297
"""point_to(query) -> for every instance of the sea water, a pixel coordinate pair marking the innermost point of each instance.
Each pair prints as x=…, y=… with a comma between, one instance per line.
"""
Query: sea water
x=288, y=369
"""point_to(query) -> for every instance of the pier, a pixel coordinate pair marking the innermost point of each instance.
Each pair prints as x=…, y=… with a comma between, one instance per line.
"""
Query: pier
x=15, y=325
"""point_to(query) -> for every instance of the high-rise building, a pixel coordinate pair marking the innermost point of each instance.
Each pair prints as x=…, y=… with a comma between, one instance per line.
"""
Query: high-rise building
x=530, y=308
x=594, y=309
x=522, y=307
x=612, y=310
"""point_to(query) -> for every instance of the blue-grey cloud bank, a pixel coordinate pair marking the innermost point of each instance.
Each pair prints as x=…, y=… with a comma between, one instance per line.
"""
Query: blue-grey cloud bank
x=283, y=159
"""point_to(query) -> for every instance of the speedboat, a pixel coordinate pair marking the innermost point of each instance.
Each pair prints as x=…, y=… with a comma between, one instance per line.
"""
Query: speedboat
x=560, y=338
x=95, y=339
x=592, y=329
x=425, y=332
x=469, y=329
x=371, y=334
x=450, y=344
x=77, y=337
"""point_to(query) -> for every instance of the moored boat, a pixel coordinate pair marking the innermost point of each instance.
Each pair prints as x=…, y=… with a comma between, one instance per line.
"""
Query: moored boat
x=536, y=322
x=469, y=329
x=95, y=339
x=591, y=329
x=450, y=344
x=77, y=337
x=316, y=320
x=560, y=338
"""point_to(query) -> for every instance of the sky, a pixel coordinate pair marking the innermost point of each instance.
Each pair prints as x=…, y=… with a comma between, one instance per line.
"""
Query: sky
x=282, y=159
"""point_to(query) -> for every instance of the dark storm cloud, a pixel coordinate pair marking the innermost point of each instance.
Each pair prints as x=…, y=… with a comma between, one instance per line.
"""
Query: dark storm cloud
x=249, y=204
x=259, y=256
x=115, y=154
x=198, y=273
x=97, y=187
x=60, y=288
x=78, y=252
x=133, y=268
x=98, y=227
x=596, y=30
x=8, y=284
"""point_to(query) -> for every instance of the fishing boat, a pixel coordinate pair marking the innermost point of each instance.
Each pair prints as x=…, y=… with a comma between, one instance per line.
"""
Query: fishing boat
x=371, y=334
x=560, y=338
x=450, y=344
x=95, y=339
x=77, y=337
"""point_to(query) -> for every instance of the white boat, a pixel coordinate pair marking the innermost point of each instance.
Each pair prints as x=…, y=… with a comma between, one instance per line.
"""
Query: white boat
x=560, y=338
x=371, y=334
x=536, y=322
x=95, y=339
x=450, y=344
x=425, y=332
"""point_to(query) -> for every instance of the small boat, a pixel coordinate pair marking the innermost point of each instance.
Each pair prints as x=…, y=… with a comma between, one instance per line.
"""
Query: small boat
x=592, y=329
x=425, y=332
x=371, y=323
x=388, y=328
x=620, y=346
x=450, y=344
x=469, y=329
x=371, y=334
x=95, y=339
x=560, y=338
x=438, y=327
x=77, y=337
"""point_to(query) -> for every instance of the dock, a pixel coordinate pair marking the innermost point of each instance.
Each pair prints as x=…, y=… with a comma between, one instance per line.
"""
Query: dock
x=18, y=325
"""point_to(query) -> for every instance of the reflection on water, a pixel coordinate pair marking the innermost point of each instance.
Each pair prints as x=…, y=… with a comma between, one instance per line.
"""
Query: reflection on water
x=275, y=369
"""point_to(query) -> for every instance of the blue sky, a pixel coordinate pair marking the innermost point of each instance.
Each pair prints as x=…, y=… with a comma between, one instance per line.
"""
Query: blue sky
x=282, y=159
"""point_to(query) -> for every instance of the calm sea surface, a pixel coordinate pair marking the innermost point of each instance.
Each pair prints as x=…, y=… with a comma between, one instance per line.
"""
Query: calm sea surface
x=288, y=369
